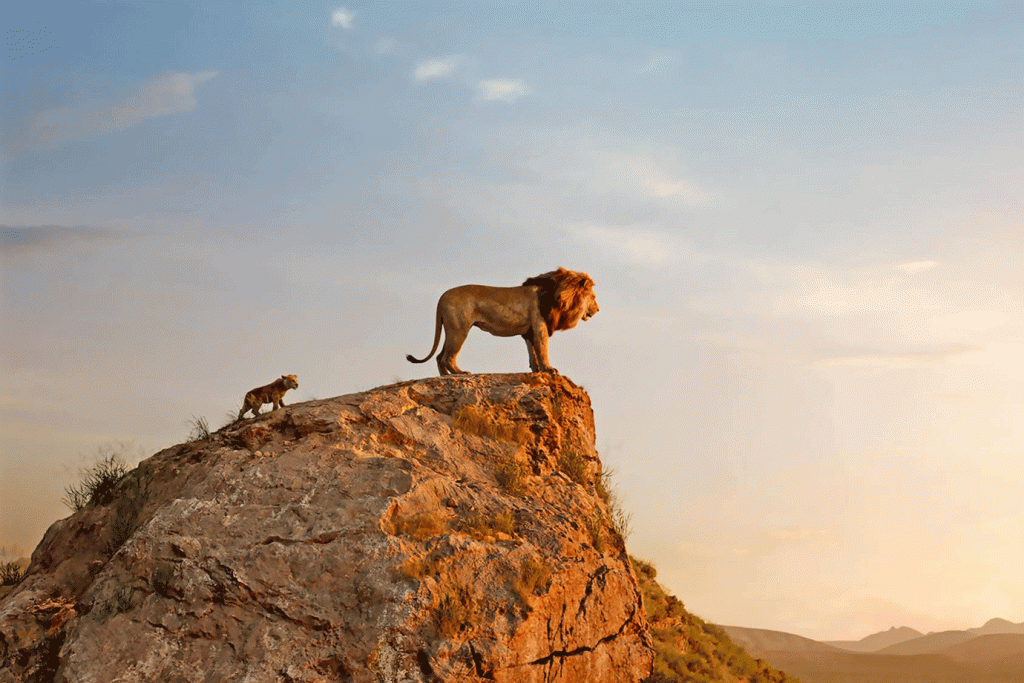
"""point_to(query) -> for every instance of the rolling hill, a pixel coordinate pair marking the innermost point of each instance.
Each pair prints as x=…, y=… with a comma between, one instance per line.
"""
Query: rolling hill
x=993, y=653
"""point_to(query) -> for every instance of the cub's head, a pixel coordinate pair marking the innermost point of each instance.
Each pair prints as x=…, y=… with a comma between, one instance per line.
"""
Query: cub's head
x=290, y=381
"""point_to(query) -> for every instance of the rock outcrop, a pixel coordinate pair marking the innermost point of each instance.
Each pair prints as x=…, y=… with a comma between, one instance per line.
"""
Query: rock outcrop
x=446, y=529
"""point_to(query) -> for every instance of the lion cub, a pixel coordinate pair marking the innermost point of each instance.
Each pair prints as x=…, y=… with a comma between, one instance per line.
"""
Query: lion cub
x=271, y=393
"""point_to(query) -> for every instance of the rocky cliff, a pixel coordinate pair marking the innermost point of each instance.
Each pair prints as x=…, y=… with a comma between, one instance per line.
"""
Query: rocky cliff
x=446, y=529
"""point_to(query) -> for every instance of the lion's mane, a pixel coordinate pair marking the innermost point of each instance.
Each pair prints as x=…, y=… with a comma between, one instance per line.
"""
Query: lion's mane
x=562, y=296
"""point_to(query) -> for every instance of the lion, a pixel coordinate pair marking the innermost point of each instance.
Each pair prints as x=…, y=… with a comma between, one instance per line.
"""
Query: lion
x=535, y=310
x=271, y=393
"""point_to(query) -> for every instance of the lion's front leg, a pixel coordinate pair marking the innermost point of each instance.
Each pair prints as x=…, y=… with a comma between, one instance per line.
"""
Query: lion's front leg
x=533, y=353
x=539, y=348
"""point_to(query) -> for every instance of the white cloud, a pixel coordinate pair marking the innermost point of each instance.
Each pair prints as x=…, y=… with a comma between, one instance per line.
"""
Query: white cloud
x=436, y=68
x=343, y=18
x=501, y=90
x=170, y=94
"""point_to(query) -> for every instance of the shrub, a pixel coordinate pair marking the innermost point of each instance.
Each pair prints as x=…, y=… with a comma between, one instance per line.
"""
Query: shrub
x=645, y=569
x=511, y=476
x=98, y=482
x=11, y=572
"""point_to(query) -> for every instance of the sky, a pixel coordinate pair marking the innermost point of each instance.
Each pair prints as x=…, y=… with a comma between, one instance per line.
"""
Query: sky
x=804, y=221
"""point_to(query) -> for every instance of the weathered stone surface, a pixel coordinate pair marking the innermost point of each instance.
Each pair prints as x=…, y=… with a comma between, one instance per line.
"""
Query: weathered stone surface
x=360, y=538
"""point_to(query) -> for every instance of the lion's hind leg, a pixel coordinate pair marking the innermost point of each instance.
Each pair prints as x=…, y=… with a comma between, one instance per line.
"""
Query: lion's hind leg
x=454, y=337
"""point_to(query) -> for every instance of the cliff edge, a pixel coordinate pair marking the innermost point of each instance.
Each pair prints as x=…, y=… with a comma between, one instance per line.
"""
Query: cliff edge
x=445, y=529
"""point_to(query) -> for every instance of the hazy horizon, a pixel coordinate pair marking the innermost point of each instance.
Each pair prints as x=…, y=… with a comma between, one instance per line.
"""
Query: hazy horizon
x=804, y=221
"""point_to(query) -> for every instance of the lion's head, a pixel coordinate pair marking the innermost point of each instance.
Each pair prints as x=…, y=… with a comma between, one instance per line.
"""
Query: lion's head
x=566, y=297
x=290, y=381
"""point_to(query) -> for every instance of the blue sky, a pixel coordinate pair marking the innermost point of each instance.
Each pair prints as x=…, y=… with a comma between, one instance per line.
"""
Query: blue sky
x=804, y=221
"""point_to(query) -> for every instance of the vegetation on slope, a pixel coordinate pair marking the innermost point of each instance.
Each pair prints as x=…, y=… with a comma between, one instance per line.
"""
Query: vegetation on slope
x=689, y=650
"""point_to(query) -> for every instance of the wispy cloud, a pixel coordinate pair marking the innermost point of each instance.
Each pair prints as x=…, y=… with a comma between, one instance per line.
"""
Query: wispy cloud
x=899, y=361
x=431, y=69
x=343, y=18
x=501, y=90
x=169, y=94
x=47, y=237
x=658, y=60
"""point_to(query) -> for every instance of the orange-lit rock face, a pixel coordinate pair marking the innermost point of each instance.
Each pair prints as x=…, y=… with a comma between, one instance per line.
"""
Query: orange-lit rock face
x=446, y=529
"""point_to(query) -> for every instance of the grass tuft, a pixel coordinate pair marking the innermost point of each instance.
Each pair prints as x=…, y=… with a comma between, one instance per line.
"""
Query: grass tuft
x=420, y=527
x=11, y=572
x=533, y=580
x=511, y=476
x=572, y=463
x=98, y=482
x=483, y=419
x=455, y=611
x=200, y=429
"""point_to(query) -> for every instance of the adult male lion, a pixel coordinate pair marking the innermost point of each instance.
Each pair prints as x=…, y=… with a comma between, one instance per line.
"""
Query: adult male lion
x=535, y=310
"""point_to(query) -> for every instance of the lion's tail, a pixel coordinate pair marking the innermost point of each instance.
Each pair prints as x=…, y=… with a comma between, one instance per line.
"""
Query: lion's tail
x=437, y=339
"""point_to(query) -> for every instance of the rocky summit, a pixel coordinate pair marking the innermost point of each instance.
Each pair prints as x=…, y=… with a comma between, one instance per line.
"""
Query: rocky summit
x=445, y=529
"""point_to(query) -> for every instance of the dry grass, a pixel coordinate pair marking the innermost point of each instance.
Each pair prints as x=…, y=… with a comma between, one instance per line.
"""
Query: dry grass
x=596, y=529
x=11, y=572
x=455, y=611
x=511, y=476
x=483, y=419
x=200, y=429
x=573, y=465
x=98, y=481
x=533, y=580
x=418, y=567
x=481, y=525
x=420, y=527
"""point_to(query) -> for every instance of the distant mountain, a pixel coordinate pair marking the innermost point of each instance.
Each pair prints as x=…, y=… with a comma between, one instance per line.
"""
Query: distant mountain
x=877, y=641
x=998, y=626
x=989, y=650
x=970, y=656
x=933, y=642
x=758, y=641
